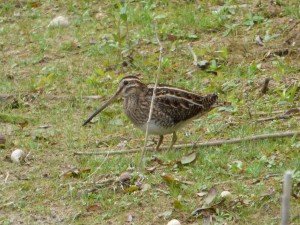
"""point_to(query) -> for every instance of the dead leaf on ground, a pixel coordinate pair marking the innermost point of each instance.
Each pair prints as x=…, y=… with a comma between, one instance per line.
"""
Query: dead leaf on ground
x=202, y=193
x=211, y=195
x=190, y=158
x=93, y=208
x=177, y=204
x=151, y=169
x=131, y=189
x=75, y=172
x=35, y=4
x=204, y=211
x=124, y=177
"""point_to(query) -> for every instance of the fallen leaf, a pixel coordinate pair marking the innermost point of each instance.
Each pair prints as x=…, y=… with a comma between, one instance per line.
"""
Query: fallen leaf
x=187, y=159
x=211, y=195
x=202, y=193
x=24, y=124
x=93, y=208
x=75, y=172
x=151, y=169
x=130, y=189
x=35, y=4
x=203, y=64
x=203, y=210
x=124, y=177
x=177, y=204
x=259, y=40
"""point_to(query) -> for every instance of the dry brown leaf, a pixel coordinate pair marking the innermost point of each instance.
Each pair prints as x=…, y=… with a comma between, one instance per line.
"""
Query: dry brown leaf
x=124, y=177
x=151, y=169
x=93, y=208
x=75, y=172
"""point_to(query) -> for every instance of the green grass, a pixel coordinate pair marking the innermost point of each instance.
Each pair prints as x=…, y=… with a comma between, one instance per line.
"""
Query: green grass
x=90, y=56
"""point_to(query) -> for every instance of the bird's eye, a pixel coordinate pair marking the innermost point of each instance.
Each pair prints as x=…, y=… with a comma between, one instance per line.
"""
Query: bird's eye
x=125, y=82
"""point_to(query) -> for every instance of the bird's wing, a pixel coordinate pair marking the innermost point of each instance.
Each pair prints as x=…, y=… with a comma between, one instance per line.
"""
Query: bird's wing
x=182, y=105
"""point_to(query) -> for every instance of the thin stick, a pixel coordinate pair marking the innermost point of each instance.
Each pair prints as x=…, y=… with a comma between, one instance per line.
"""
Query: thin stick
x=4, y=97
x=287, y=189
x=199, y=144
x=283, y=117
x=6, y=178
x=195, y=62
x=153, y=96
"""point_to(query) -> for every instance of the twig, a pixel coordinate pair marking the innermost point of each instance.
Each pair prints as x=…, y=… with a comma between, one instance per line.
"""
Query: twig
x=282, y=117
x=199, y=144
x=287, y=189
x=195, y=62
x=4, y=97
x=288, y=114
x=6, y=178
x=153, y=96
x=267, y=113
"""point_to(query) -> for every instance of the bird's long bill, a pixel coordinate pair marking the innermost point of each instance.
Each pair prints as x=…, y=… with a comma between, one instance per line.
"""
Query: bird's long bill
x=101, y=108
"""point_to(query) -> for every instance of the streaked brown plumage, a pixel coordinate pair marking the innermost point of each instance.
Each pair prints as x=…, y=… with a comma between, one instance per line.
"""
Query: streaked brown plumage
x=173, y=107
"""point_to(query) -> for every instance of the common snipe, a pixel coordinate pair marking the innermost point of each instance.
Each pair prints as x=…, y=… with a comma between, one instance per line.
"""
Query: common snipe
x=173, y=107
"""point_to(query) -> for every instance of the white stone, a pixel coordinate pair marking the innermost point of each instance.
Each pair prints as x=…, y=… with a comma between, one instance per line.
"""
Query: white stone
x=60, y=21
x=225, y=194
x=174, y=222
x=17, y=156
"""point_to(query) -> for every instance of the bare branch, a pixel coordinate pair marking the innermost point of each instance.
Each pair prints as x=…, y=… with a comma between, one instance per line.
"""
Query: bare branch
x=5, y=97
x=199, y=144
x=288, y=114
x=153, y=95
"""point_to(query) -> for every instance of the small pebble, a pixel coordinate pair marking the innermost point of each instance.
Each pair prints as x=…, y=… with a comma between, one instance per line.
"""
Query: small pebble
x=174, y=222
x=225, y=194
x=17, y=156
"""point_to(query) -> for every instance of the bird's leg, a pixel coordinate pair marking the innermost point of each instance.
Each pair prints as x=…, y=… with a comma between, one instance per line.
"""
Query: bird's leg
x=160, y=140
x=174, y=139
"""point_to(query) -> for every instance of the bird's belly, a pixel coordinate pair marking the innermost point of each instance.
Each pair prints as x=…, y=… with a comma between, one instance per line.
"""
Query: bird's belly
x=159, y=130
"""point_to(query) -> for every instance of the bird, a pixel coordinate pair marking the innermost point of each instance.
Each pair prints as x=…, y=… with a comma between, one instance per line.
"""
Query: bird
x=173, y=107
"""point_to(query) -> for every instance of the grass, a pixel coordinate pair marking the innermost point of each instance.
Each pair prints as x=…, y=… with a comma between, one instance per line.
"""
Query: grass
x=109, y=39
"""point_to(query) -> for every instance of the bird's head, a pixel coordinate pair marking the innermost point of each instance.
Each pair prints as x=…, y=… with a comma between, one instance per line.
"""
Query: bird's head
x=128, y=86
